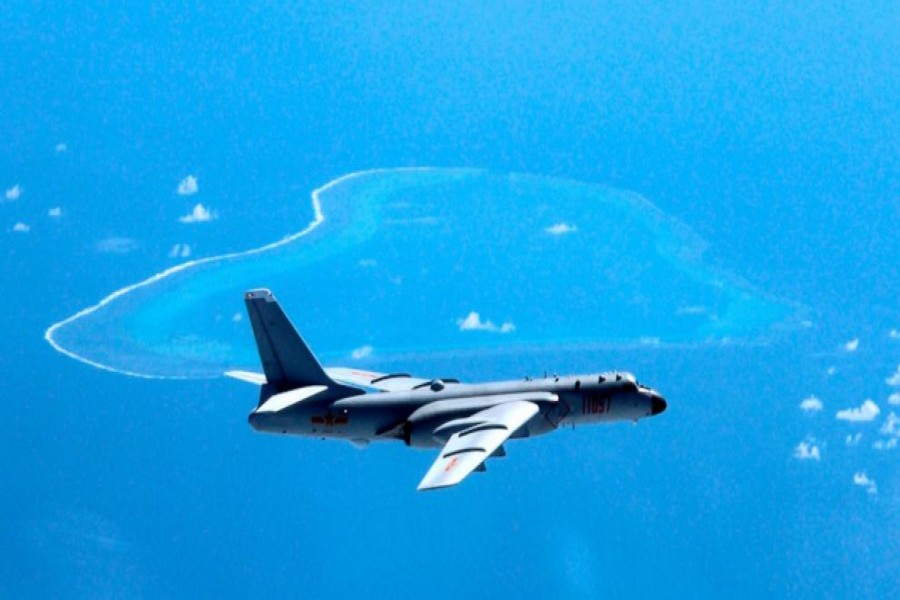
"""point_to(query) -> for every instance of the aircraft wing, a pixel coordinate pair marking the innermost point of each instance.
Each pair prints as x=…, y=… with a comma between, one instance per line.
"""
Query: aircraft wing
x=382, y=382
x=480, y=435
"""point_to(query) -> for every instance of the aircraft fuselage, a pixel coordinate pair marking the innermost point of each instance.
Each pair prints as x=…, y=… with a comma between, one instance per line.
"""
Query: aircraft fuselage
x=414, y=415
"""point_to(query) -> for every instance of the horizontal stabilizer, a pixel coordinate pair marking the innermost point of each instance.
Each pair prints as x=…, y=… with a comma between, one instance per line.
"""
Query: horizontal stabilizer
x=284, y=400
x=247, y=377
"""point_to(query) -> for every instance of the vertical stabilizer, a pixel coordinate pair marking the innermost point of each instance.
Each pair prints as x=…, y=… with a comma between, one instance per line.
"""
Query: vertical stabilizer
x=286, y=359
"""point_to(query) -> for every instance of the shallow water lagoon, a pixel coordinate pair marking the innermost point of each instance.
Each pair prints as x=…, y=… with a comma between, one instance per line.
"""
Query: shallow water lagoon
x=436, y=260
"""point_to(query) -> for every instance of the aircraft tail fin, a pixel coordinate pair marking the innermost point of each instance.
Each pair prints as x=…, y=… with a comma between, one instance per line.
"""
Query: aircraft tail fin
x=286, y=359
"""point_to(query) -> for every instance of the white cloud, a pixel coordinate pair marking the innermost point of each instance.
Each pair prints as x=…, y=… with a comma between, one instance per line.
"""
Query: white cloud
x=894, y=399
x=473, y=322
x=200, y=214
x=361, y=352
x=831, y=371
x=894, y=379
x=888, y=444
x=188, y=186
x=811, y=404
x=807, y=450
x=116, y=245
x=237, y=317
x=21, y=227
x=862, y=480
x=894, y=334
x=61, y=147
x=891, y=426
x=866, y=412
x=14, y=193
x=852, y=345
x=561, y=229
x=853, y=440
x=180, y=251
x=54, y=212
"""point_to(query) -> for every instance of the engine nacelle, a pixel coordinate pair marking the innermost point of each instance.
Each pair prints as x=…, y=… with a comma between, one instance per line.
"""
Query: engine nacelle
x=432, y=425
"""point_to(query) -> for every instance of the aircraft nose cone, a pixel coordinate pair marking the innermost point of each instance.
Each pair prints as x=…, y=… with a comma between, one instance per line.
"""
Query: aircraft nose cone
x=657, y=405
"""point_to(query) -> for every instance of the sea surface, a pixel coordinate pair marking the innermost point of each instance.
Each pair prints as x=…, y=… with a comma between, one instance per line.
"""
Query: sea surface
x=705, y=195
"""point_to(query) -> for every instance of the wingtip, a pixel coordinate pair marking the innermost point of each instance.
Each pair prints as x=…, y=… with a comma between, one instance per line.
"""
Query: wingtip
x=431, y=483
x=426, y=488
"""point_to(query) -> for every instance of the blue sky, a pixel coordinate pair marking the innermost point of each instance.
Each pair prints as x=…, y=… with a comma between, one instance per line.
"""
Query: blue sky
x=771, y=130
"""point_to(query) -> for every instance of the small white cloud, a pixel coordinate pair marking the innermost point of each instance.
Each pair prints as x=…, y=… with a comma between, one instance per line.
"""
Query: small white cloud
x=473, y=322
x=116, y=245
x=853, y=440
x=861, y=479
x=894, y=380
x=866, y=412
x=831, y=371
x=14, y=193
x=894, y=399
x=894, y=334
x=237, y=317
x=807, y=450
x=811, y=404
x=55, y=212
x=188, y=186
x=361, y=352
x=21, y=227
x=888, y=444
x=200, y=214
x=60, y=147
x=561, y=229
x=852, y=345
x=180, y=251
x=891, y=426
x=367, y=262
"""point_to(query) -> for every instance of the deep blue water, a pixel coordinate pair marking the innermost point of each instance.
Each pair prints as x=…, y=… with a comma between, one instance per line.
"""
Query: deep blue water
x=771, y=131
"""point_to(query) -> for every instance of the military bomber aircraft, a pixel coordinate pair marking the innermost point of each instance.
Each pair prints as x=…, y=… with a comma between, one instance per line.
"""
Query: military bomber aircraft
x=468, y=422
